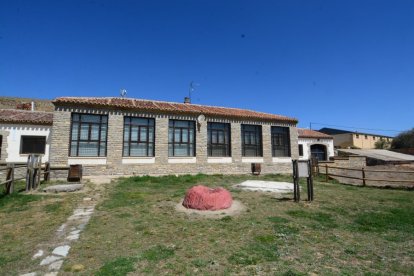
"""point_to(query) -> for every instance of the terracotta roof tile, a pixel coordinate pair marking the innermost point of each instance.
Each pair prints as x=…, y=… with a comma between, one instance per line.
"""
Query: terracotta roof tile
x=308, y=133
x=16, y=116
x=170, y=107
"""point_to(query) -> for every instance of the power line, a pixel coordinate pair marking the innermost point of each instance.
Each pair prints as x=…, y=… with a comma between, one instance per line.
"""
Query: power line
x=352, y=127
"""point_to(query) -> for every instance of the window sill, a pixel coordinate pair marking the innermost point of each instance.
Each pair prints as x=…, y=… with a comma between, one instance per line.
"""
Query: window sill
x=252, y=160
x=87, y=161
x=138, y=160
x=282, y=159
x=180, y=160
x=219, y=160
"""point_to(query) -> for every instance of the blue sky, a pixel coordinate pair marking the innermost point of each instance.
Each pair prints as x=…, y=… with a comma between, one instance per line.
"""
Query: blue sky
x=348, y=63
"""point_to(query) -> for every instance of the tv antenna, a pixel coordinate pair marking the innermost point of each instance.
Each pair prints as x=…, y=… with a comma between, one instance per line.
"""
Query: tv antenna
x=192, y=88
x=123, y=93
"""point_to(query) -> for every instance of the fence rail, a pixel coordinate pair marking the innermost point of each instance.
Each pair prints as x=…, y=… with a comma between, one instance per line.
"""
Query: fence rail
x=363, y=177
x=32, y=177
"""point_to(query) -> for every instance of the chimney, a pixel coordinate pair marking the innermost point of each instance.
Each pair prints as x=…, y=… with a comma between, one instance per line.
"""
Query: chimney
x=187, y=100
x=33, y=106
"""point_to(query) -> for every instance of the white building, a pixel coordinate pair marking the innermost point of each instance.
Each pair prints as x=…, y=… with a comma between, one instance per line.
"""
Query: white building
x=314, y=144
x=24, y=132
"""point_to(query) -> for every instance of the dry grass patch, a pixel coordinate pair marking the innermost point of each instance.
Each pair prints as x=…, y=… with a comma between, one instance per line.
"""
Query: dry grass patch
x=347, y=230
x=26, y=221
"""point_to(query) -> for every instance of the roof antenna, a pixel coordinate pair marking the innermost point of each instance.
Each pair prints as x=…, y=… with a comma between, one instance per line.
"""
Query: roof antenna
x=193, y=85
x=123, y=93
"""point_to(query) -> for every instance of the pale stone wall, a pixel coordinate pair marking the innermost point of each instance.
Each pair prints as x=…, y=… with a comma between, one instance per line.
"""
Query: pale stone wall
x=161, y=164
x=308, y=142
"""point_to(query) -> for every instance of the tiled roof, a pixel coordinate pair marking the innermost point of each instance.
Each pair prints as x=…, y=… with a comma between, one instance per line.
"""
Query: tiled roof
x=169, y=107
x=14, y=116
x=308, y=133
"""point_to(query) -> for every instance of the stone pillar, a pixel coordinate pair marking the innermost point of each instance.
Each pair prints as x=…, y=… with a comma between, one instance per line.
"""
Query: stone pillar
x=59, y=148
x=236, y=151
x=267, y=144
x=201, y=142
x=161, y=140
x=294, y=148
x=115, y=139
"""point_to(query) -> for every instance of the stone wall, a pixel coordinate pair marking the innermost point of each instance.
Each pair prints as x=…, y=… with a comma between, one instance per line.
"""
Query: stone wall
x=115, y=164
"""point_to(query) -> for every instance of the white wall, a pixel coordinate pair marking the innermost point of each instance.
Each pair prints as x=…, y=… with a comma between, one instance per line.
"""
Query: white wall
x=11, y=140
x=307, y=142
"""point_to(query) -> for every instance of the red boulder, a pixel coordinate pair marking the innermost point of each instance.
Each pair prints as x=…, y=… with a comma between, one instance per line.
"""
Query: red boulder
x=204, y=198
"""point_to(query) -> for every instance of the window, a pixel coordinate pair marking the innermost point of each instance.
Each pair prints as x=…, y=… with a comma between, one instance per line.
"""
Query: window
x=88, y=135
x=139, y=136
x=373, y=137
x=366, y=136
x=1, y=144
x=181, y=138
x=32, y=144
x=280, y=141
x=218, y=139
x=357, y=136
x=300, y=150
x=251, y=140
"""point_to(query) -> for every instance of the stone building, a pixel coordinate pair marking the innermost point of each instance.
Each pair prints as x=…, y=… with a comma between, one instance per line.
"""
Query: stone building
x=124, y=136
x=23, y=132
x=314, y=144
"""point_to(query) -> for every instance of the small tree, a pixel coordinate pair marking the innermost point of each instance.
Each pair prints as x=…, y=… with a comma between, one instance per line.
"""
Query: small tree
x=382, y=144
x=404, y=140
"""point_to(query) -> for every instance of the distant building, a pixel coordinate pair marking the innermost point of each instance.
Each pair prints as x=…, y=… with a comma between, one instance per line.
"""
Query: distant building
x=314, y=144
x=23, y=132
x=352, y=139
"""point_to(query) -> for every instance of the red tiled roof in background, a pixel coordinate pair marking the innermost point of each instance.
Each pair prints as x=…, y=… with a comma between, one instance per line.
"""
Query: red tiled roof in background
x=307, y=133
x=169, y=107
x=14, y=116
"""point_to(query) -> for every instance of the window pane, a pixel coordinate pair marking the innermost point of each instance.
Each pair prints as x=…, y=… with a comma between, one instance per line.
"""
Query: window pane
x=103, y=132
x=185, y=124
x=90, y=118
x=134, y=133
x=151, y=134
x=138, y=150
x=84, y=134
x=170, y=135
x=143, y=134
x=177, y=135
x=94, y=132
x=88, y=148
x=185, y=136
x=126, y=149
x=75, y=131
x=73, y=148
x=33, y=144
x=180, y=150
x=126, y=134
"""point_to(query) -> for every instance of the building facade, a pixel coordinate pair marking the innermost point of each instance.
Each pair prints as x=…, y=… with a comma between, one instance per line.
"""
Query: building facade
x=22, y=133
x=314, y=144
x=344, y=139
x=118, y=136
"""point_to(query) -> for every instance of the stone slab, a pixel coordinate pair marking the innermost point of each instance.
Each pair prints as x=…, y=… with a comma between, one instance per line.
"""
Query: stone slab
x=63, y=188
x=61, y=250
x=266, y=186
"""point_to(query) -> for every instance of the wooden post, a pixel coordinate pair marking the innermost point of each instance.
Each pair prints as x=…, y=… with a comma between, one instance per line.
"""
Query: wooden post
x=28, y=174
x=47, y=172
x=326, y=173
x=10, y=178
x=363, y=176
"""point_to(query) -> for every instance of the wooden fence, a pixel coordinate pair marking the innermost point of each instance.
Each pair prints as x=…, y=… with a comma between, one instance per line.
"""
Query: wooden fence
x=32, y=177
x=325, y=170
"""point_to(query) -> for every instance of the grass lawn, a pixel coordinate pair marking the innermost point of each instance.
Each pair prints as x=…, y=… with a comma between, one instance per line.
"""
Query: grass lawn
x=27, y=220
x=347, y=230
